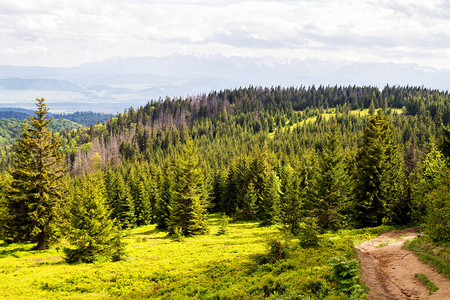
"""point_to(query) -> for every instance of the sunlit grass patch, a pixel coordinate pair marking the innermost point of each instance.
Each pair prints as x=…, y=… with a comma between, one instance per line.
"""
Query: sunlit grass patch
x=331, y=112
x=431, y=253
x=158, y=266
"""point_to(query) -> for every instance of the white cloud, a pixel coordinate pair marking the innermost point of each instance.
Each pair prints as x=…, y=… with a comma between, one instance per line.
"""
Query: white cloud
x=73, y=32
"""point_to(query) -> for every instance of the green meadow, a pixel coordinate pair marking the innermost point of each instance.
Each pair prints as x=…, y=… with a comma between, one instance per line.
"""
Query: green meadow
x=326, y=115
x=230, y=266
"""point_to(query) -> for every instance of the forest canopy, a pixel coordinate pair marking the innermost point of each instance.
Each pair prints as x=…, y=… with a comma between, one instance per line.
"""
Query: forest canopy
x=264, y=154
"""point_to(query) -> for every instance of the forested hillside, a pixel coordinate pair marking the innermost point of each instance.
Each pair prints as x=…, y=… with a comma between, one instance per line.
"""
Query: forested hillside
x=251, y=139
x=81, y=117
x=10, y=129
x=308, y=159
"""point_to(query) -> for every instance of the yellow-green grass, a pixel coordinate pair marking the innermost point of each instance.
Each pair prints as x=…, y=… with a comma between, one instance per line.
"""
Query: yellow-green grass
x=327, y=115
x=437, y=255
x=157, y=266
x=429, y=284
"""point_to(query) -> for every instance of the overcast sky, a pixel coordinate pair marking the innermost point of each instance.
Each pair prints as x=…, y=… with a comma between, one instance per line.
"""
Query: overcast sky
x=71, y=32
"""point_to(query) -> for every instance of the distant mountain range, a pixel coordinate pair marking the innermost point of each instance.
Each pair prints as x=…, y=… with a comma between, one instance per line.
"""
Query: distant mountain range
x=116, y=84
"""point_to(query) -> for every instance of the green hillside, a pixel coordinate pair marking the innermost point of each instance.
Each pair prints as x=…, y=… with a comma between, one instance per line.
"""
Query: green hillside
x=10, y=129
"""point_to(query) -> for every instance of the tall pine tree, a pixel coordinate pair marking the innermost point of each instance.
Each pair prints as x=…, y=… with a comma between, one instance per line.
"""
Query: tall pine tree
x=37, y=182
x=291, y=201
x=376, y=174
x=333, y=185
x=188, y=206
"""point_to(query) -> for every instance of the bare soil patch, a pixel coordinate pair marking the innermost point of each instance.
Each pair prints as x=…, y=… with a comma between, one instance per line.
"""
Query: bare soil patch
x=388, y=270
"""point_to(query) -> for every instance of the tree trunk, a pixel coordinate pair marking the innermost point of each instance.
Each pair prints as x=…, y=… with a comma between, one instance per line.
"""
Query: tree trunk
x=41, y=241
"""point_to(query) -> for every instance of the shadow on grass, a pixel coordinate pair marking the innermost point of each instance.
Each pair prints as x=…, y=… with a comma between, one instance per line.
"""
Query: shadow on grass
x=13, y=251
x=148, y=232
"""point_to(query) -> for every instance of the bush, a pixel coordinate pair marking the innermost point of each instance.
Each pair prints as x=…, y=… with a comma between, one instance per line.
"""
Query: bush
x=438, y=211
x=345, y=274
x=277, y=249
x=223, y=230
x=309, y=235
x=178, y=234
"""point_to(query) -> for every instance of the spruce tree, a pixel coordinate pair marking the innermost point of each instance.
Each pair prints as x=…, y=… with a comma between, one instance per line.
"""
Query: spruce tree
x=376, y=174
x=90, y=230
x=218, y=191
x=247, y=209
x=37, y=182
x=291, y=203
x=188, y=206
x=269, y=206
x=333, y=184
x=121, y=201
x=410, y=177
x=259, y=173
x=298, y=200
x=142, y=206
x=163, y=200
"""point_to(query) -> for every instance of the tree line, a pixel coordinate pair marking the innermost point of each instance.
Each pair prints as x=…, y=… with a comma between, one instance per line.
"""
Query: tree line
x=296, y=157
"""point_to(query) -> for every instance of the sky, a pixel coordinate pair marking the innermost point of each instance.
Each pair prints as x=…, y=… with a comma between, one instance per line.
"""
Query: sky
x=67, y=33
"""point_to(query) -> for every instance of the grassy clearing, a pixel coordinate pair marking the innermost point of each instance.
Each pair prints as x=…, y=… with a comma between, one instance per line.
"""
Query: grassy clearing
x=430, y=285
x=431, y=253
x=327, y=115
x=205, y=267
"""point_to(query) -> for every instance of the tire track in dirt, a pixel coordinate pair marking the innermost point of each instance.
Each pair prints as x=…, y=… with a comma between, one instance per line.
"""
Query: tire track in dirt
x=389, y=270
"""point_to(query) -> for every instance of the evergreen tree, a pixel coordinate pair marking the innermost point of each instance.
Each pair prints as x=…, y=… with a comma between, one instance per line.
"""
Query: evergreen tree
x=431, y=169
x=237, y=182
x=377, y=172
x=247, y=209
x=410, y=177
x=229, y=201
x=122, y=202
x=445, y=143
x=142, y=207
x=37, y=182
x=90, y=230
x=259, y=173
x=291, y=202
x=333, y=185
x=154, y=196
x=218, y=191
x=163, y=201
x=371, y=108
x=188, y=207
x=269, y=206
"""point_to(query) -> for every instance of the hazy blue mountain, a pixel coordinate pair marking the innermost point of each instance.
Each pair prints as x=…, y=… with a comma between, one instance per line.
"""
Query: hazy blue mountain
x=112, y=85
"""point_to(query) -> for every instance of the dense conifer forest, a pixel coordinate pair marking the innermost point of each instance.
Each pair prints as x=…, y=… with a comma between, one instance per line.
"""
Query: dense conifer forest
x=309, y=160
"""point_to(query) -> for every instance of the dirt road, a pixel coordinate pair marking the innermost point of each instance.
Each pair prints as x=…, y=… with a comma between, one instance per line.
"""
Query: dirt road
x=389, y=270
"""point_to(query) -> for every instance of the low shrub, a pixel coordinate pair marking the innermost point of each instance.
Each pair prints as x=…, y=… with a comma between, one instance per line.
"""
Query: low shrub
x=345, y=273
x=309, y=236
